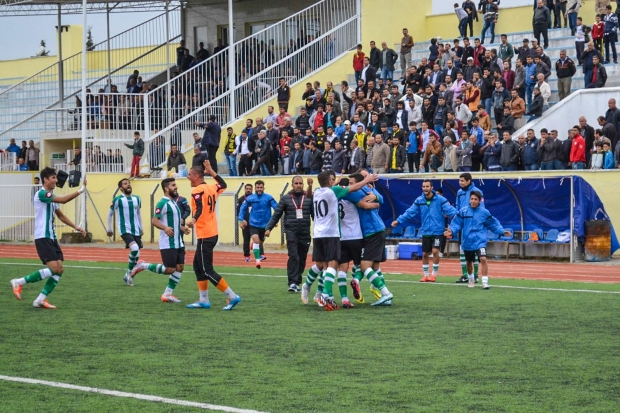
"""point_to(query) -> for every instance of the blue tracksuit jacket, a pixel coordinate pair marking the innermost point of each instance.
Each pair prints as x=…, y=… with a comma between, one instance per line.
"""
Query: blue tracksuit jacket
x=475, y=223
x=432, y=212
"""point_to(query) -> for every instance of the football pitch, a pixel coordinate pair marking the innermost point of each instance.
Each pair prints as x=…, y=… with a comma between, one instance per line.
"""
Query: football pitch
x=523, y=346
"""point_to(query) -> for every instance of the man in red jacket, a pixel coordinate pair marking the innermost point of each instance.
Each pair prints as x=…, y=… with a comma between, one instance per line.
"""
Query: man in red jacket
x=577, y=150
x=358, y=62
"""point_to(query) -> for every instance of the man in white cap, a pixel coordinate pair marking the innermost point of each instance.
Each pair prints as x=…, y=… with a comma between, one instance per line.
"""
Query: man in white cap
x=470, y=69
x=347, y=136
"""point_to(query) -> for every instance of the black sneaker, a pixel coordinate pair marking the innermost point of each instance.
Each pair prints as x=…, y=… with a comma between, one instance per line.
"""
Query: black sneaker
x=292, y=288
x=462, y=280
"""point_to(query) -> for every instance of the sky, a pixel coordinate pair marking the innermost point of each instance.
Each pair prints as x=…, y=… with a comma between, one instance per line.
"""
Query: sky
x=27, y=32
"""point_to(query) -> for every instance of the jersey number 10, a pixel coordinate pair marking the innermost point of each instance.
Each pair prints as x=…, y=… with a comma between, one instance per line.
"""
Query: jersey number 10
x=321, y=209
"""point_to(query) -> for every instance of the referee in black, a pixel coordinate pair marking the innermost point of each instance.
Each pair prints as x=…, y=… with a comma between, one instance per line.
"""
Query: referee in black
x=296, y=206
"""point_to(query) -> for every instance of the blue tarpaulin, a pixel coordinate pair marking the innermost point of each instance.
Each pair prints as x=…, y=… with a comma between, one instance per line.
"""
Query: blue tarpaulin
x=534, y=203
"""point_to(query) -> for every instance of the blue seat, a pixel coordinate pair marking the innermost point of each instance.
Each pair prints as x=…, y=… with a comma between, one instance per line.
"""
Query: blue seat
x=409, y=232
x=552, y=236
x=397, y=232
x=540, y=234
x=418, y=235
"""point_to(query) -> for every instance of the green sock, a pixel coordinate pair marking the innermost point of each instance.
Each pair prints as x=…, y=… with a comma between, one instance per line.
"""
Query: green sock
x=33, y=278
x=342, y=284
x=328, y=282
x=321, y=281
x=380, y=274
x=358, y=273
x=463, y=263
x=374, y=279
x=133, y=259
x=313, y=272
x=174, y=279
x=50, y=284
x=476, y=266
x=157, y=268
x=256, y=251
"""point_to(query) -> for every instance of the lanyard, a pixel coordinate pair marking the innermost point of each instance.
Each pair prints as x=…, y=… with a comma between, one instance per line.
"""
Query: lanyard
x=302, y=201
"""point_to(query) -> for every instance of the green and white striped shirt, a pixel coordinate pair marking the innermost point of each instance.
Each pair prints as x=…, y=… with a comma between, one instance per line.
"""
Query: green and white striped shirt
x=44, y=212
x=128, y=208
x=169, y=214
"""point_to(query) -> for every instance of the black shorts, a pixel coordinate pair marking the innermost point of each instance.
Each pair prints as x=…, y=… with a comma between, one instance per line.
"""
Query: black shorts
x=326, y=249
x=374, y=248
x=171, y=257
x=470, y=256
x=351, y=250
x=128, y=238
x=430, y=242
x=48, y=250
x=258, y=231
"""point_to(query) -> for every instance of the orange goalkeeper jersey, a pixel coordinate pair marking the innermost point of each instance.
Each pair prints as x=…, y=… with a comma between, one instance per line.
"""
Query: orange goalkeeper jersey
x=204, y=197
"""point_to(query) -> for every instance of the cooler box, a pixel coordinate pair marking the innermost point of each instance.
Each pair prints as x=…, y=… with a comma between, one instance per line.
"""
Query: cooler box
x=410, y=251
x=391, y=252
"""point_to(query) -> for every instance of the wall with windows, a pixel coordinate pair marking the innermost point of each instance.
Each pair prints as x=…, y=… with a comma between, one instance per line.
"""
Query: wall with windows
x=208, y=23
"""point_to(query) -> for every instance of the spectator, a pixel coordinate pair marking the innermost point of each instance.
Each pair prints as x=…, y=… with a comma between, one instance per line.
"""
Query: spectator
x=358, y=62
x=180, y=53
x=565, y=70
x=175, y=158
x=263, y=151
x=587, y=60
x=463, y=152
x=492, y=152
x=611, y=34
x=599, y=74
x=271, y=116
x=507, y=123
x=21, y=165
x=245, y=149
x=542, y=68
x=509, y=154
x=23, y=151
x=398, y=156
x=199, y=156
x=517, y=109
x=484, y=119
x=506, y=51
x=388, y=59
x=356, y=157
x=138, y=150
x=463, y=17
x=490, y=11
x=283, y=115
x=77, y=158
x=133, y=76
x=613, y=113
x=608, y=157
x=599, y=137
x=230, y=149
x=339, y=160
x=563, y=150
x=598, y=32
x=547, y=151
x=380, y=155
x=580, y=38
x=509, y=76
x=368, y=73
x=462, y=112
x=540, y=22
x=597, y=156
x=531, y=160
x=544, y=89
x=13, y=148
x=608, y=130
x=32, y=157
x=523, y=52
x=284, y=94
x=157, y=153
x=530, y=80
x=316, y=159
x=433, y=154
x=211, y=139
x=560, y=12
x=449, y=155
x=572, y=12
x=434, y=51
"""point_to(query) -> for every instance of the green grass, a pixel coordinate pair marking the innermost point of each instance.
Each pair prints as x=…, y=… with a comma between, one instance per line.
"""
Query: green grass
x=439, y=348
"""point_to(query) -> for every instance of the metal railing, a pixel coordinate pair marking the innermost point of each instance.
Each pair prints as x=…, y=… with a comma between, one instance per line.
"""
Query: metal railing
x=8, y=161
x=254, y=91
x=142, y=47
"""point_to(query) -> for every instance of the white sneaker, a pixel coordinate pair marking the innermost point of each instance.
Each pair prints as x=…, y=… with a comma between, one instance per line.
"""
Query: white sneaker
x=472, y=282
x=305, y=293
x=485, y=286
x=128, y=279
x=170, y=299
x=317, y=298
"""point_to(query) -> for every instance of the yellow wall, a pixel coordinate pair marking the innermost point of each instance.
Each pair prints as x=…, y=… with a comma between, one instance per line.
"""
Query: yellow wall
x=102, y=186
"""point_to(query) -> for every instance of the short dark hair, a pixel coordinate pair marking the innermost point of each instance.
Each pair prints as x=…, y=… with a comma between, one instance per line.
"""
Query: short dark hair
x=250, y=185
x=477, y=194
x=47, y=173
x=324, y=178
x=136, y=133
x=120, y=183
x=466, y=176
x=259, y=182
x=429, y=181
x=357, y=176
x=212, y=118
x=166, y=182
x=344, y=182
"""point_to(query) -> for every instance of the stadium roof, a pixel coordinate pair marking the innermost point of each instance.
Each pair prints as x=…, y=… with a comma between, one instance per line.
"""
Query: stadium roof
x=43, y=7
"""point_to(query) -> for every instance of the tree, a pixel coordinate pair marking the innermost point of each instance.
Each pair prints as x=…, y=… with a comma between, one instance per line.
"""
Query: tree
x=90, y=45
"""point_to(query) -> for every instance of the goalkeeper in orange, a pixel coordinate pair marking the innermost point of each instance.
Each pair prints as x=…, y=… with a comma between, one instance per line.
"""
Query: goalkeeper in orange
x=204, y=197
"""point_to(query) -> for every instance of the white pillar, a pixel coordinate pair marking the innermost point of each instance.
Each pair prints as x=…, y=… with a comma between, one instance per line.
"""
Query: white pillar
x=168, y=88
x=231, y=62
x=83, y=166
x=107, y=16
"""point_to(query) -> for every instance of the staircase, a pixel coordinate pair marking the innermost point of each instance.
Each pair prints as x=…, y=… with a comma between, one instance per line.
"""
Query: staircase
x=558, y=39
x=22, y=104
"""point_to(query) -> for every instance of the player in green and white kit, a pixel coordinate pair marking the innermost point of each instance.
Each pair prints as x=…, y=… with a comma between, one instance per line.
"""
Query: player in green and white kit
x=128, y=207
x=326, y=233
x=168, y=220
x=45, y=208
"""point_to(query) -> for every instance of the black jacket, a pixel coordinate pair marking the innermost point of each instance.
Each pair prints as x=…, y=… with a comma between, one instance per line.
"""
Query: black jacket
x=401, y=157
x=548, y=151
x=563, y=148
x=371, y=73
x=588, y=135
x=537, y=106
x=390, y=59
x=509, y=154
x=291, y=223
x=375, y=57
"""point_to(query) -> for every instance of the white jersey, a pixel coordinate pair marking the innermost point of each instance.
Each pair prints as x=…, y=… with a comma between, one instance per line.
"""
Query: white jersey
x=349, y=221
x=44, y=212
x=168, y=213
x=128, y=208
x=326, y=211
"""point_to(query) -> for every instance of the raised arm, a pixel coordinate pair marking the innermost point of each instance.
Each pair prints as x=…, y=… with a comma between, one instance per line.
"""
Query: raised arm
x=70, y=197
x=359, y=185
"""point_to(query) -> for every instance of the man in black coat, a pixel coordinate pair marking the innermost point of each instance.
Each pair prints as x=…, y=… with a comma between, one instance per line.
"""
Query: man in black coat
x=368, y=72
x=587, y=132
x=375, y=55
x=296, y=206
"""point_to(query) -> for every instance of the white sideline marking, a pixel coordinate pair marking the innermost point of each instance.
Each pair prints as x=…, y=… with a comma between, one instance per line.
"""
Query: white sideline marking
x=156, y=399
x=514, y=287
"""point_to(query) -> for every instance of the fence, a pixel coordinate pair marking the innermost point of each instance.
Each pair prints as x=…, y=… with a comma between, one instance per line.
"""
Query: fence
x=8, y=161
x=22, y=102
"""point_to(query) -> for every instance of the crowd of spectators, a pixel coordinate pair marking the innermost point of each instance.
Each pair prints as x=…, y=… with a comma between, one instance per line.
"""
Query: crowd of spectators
x=26, y=155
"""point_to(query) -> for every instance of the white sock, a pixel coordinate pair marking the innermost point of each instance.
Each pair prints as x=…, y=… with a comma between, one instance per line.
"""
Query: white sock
x=41, y=297
x=385, y=291
x=471, y=277
x=425, y=269
x=230, y=293
x=21, y=281
x=435, y=269
x=168, y=291
x=204, y=296
x=485, y=279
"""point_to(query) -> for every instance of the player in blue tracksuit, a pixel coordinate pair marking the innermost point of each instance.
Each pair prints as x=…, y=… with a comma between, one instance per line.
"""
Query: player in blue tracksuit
x=462, y=201
x=260, y=205
x=474, y=220
x=432, y=209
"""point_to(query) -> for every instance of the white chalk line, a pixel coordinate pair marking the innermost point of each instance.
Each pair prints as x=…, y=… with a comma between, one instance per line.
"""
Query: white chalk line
x=156, y=399
x=512, y=287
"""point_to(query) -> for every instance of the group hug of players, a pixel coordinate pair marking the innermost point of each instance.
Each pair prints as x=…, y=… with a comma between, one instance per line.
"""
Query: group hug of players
x=347, y=228
x=172, y=217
